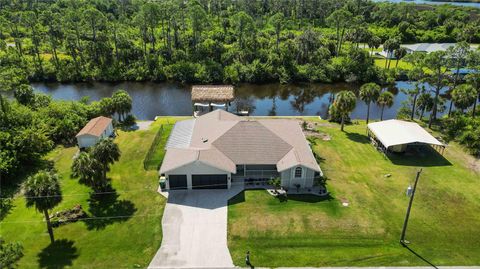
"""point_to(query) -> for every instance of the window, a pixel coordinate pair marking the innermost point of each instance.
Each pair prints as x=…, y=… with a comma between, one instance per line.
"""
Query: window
x=298, y=172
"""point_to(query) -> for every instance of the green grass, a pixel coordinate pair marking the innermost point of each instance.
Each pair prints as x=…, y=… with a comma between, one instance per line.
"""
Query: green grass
x=401, y=64
x=155, y=158
x=129, y=240
x=444, y=225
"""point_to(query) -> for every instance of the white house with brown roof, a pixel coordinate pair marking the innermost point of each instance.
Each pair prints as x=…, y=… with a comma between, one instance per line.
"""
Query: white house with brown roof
x=96, y=129
x=219, y=148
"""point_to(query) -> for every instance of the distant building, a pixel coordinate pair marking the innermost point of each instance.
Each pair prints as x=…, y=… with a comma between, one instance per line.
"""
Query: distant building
x=96, y=129
x=427, y=47
x=418, y=47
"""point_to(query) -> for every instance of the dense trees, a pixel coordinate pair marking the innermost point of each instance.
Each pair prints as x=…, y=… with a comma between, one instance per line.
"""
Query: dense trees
x=31, y=124
x=212, y=41
x=42, y=191
x=10, y=253
x=464, y=96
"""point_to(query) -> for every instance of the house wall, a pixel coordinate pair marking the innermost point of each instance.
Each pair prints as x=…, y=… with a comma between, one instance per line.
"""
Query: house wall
x=289, y=180
x=108, y=131
x=197, y=168
x=85, y=141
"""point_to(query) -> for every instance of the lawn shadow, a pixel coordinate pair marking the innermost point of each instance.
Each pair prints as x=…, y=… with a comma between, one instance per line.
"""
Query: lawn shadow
x=359, y=138
x=237, y=199
x=58, y=254
x=10, y=185
x=310, y=198
x=420, y=256
x=106, y=208
x=424, y=156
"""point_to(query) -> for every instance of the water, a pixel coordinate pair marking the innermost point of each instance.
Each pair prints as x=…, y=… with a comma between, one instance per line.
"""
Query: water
x=160, y=99
x=463, y=4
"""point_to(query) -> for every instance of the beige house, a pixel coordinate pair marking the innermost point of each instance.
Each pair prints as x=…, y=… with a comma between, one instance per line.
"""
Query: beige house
x=220, y=148
x=96, y=129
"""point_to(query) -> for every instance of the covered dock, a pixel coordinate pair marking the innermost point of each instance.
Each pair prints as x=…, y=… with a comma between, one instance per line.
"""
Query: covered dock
x=206, y=98
x=398, y=135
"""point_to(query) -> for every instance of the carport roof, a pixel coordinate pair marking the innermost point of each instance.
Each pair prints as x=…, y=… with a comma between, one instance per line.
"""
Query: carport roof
x=398, y=132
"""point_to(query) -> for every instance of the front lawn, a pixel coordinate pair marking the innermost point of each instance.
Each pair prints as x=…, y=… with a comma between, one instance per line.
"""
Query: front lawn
x=306, y=231
x=125, y=227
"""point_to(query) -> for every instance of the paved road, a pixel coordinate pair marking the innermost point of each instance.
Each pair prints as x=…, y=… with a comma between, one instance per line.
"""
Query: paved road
x=195, y=230
x=388, y=267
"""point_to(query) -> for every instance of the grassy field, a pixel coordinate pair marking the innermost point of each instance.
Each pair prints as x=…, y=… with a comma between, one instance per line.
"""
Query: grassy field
x=444, y=227
x=158, y=149
x=401, y=64
x=126, y=229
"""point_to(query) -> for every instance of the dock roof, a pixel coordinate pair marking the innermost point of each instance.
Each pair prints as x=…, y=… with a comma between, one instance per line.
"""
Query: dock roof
x=212, y=93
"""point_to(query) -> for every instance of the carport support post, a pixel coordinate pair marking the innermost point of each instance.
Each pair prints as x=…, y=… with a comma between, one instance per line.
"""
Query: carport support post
x=404, y=229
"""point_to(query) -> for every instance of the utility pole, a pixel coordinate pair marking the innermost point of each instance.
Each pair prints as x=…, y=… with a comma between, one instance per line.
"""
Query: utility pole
x=405, y=223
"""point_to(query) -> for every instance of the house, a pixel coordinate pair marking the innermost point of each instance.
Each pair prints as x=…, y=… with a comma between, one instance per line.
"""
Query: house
x=96, y=129
x=206, y=98
x=398, y=135
x=419, y=47
x=220, y=148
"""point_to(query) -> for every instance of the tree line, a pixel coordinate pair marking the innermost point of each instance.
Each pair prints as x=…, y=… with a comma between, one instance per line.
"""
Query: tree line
x=437, y=77
x=209, y=41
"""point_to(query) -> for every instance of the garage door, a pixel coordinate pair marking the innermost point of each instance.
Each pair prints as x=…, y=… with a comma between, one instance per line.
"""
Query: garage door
x=177, y=182
x=209, y=181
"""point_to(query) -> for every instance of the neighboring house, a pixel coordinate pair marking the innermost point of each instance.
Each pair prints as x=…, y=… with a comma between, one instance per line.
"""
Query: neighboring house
x=96, y=129
x=419, y=47
x=219, y=148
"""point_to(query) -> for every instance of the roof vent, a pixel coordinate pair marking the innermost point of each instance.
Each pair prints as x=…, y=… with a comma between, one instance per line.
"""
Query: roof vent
x=204, y=140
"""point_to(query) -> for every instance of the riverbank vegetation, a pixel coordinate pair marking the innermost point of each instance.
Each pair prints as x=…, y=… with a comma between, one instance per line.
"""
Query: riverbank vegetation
x=360, y=223
x=214, y=41
x=32, y=124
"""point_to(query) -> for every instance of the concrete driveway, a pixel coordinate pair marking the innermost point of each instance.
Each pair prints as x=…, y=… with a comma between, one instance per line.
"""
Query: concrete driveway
x=195, y=230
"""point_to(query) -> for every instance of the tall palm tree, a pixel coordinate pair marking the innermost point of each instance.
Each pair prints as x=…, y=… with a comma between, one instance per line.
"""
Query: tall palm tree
x=464, y=96
x=42, y=191
x=369, y=93
x=345, y=103
x=385, y=100
x=87, y=168
x=424, y=103
x=106, y=152
x=399, y=54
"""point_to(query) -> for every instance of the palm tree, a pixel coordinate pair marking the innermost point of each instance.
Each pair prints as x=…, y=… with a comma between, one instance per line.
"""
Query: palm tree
x=424, y=103
x=344, y=103
x=464, y=96
x=106, y=152
x=87, y=168
x=385, y=100
x=369, y=93
x=390, y=46
x=399, y=54
x=42, y=191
